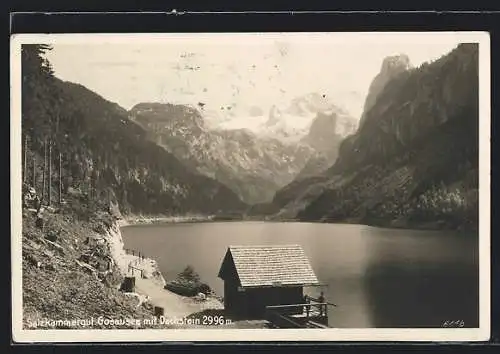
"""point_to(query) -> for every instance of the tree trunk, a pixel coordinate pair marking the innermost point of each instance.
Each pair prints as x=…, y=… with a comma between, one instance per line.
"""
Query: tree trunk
x=60, y=178
x=34, y=172
x=44, y=173
x=89, y=187
x=50, y=173
x=25, y=171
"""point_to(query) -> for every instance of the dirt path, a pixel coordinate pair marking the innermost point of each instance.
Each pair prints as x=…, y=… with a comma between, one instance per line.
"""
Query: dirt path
x=175, y=306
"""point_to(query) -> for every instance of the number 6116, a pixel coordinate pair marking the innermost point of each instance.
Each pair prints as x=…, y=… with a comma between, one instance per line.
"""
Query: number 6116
x=453, y=324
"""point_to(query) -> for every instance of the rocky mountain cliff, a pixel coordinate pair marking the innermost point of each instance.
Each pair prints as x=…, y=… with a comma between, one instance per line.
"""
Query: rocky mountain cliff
x=304, y=116
x=326, y=133
x=413, y=161
x=104, y=154
x=391, y=67
x=252, y=167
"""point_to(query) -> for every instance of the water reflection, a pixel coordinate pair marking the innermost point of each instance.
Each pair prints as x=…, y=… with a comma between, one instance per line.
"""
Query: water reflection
x=340, y=265
x=418, y=279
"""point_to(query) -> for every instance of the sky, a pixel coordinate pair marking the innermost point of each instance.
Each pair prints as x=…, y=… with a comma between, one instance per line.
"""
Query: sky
x=238, y=70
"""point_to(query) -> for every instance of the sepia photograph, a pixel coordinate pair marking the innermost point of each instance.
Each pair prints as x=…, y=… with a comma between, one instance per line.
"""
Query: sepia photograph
x=250, y=186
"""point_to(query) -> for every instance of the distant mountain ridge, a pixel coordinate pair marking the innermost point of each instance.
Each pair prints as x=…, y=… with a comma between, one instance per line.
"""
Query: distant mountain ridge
x=252, y=165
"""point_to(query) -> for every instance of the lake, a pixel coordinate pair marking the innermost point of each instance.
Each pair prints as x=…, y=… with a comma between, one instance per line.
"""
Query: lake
x=378, y=277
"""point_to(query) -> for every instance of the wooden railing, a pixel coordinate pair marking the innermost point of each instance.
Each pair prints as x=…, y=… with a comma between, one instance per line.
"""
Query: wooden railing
x=298, y=315
x=133, y=265
x=135, y=253
x=132, y=270
x=320, y=305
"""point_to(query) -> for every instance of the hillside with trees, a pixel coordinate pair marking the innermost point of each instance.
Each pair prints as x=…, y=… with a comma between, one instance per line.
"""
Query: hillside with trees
x=104, y=155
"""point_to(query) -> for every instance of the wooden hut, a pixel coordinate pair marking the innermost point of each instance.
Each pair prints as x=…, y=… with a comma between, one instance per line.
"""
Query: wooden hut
x=259, y=276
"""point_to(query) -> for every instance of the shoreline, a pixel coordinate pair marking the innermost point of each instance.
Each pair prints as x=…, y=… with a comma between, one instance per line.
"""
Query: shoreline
x=405, y=224
x=387, y=224
x=131, y=220
x=150, y=282
x=402, y=223
x=176, y=307
x=381, y=223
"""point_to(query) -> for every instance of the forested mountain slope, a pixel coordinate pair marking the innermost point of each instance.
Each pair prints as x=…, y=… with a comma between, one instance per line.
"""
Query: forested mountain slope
x=413, y=161
x=104, y=154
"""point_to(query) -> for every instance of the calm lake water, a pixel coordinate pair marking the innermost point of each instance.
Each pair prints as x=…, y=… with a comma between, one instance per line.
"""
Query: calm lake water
x=378, y=277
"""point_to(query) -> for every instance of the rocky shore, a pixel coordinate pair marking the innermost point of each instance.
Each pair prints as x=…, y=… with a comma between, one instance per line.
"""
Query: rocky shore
x=159, y=219
x=74, y=266
x=180, y=311
x=72, y=273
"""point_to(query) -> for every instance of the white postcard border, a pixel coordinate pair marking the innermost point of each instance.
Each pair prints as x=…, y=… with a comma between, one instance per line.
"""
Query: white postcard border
x=192, y=335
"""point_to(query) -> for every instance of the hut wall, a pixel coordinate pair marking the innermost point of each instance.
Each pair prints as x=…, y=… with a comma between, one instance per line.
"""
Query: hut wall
x=232, y=301
x=252, y=302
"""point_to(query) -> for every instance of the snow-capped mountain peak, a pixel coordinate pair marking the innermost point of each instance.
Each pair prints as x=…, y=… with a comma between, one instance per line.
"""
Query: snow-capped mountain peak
x=287, y=121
